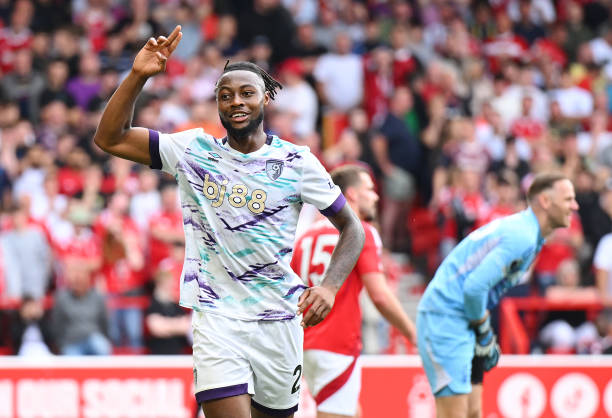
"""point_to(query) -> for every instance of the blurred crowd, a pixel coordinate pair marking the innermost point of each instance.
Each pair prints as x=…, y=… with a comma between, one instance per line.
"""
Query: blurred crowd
x=453, y=105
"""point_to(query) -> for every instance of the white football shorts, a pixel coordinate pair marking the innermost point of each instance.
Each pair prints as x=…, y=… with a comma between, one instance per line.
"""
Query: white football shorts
x=262, y=358
x=334, y=380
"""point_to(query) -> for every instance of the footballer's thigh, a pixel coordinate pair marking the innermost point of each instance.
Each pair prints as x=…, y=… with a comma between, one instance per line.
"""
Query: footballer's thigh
x=475, y=402
x=276, y=355
x=334, y=381
x=223, y=376
x=232, y=407
x=453, y=406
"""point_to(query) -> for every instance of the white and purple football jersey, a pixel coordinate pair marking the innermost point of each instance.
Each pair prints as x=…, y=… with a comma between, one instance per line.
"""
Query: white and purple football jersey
x=240, y=213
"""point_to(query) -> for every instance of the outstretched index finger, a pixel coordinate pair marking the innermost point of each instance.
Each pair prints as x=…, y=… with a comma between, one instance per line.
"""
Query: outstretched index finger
x=173, y=35
x=175, y=41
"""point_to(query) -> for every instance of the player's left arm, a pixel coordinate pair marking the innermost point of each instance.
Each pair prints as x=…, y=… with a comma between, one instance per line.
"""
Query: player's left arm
x=320, y=298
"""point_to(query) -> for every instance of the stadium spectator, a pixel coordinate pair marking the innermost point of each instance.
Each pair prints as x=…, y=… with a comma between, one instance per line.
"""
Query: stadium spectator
x=526, y=26
x=79, y=315
x=574, y=102
x=564, y=244
x=165, y=227
x=203, y=115
x=26, y=257
x=602, y=262
x=226, y=37
x=55, y=84
x=84, y=87
x=147, y=201
x=270, y=19
x=168, y=325
x=66, y=47
x=339, y=77
x=567, y=332
x=397, y=153
x=116, y=55
x=123, y=263
x=15, y=34
x=77, y=241
x=603, y=322
x=594, y=194
x=306, y=44
x=24, y=85
x=297, y=97
x=31, y=333
x=577, y=32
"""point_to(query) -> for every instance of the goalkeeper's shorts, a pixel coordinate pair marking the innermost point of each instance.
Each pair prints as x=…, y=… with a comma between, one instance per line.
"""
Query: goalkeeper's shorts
x=446, y=346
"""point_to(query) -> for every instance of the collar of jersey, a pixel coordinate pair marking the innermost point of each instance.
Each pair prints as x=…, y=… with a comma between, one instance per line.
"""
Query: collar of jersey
x=261, y=150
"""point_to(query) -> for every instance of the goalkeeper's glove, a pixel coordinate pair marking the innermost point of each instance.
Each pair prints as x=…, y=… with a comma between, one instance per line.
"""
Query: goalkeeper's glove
x=486, y=344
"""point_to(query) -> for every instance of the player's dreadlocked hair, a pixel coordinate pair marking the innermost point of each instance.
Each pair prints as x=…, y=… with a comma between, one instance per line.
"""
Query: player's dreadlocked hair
x=270, y=83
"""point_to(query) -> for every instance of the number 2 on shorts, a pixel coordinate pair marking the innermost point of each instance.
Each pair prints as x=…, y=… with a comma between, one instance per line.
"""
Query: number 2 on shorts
x=296, y=384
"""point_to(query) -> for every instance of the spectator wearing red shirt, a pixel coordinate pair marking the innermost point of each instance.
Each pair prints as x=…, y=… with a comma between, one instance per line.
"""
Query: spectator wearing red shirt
x=71, y=177
x=165, y=227
x=83, y=245
x=123, y=263
x=506, y=199
x=505, y=45
x=563, y=244
x=17, y=36
x=551, y=47
x=526, y=126
x=378, y=82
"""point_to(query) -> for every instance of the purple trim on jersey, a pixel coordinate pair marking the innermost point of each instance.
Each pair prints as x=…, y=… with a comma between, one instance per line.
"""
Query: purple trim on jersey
x=156, y=161
x=335, y=207
x=274, y=412
x=219, y=393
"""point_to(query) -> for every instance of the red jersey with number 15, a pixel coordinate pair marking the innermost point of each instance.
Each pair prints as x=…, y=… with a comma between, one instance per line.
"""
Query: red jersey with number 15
x=340, y=331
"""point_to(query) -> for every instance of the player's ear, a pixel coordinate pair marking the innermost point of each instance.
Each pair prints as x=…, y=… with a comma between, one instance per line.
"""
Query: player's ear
x=350, y=193
x=266, y=97
x=544, y=199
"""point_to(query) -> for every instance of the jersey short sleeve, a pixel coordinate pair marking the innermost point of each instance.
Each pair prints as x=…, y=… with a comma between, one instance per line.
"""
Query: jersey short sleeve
x=167, y=149
x=603, y=254
x=317, y=187
x=370, y=259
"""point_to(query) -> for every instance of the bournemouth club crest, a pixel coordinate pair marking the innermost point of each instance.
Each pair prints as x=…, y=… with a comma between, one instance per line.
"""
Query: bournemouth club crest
x=274, y=168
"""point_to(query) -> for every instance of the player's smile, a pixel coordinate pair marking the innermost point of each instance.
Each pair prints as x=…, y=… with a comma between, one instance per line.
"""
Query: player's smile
x=239, y=116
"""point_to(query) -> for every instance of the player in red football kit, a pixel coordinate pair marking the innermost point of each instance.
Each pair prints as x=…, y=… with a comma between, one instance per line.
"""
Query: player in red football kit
x=331, y=348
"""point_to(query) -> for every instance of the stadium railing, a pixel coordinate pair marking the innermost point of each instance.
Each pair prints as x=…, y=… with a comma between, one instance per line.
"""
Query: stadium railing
x=516, y=332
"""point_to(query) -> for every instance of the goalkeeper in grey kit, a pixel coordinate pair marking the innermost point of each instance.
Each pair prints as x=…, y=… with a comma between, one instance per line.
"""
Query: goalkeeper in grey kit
x=455, y=338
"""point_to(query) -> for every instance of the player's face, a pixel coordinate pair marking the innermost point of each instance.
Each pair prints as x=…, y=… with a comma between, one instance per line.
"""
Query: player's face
x=563, y=203
x=367, y=198
x=240, y=101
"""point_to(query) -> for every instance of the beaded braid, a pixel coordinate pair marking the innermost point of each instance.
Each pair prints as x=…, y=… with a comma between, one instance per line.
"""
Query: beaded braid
x=270, y=84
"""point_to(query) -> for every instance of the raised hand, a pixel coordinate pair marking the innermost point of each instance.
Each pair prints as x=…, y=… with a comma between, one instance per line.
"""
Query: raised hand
x=152, y=58
x=319, y=301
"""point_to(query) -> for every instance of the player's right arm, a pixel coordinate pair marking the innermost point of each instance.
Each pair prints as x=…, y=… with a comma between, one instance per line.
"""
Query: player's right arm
x=115, y=134
x=494, y=267
x=388, y=305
